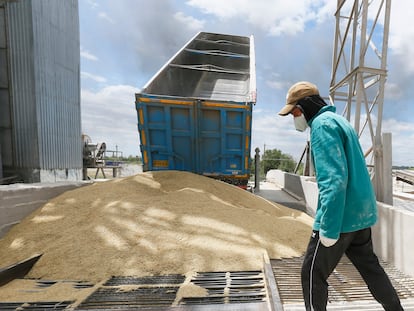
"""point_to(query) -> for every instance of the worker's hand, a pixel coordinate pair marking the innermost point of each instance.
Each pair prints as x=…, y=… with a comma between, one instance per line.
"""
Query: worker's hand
x=327, y=242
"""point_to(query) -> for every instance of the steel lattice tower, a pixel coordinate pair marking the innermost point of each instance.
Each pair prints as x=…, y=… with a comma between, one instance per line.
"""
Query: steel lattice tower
x=359, y=72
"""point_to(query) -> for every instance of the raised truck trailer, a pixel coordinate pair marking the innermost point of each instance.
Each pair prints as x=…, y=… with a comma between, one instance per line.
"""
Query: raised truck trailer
x=195, y=114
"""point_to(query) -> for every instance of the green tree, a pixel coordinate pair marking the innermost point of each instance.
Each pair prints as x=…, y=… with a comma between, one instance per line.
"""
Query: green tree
x=275, y=159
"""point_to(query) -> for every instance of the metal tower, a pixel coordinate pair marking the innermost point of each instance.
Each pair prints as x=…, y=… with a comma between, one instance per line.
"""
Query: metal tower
x=359, y=72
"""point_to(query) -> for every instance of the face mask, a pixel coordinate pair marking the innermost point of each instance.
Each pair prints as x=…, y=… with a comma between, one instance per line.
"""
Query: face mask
x=300, y=123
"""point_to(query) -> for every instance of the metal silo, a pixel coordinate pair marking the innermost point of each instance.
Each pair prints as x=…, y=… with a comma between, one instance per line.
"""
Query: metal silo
x=40, y=123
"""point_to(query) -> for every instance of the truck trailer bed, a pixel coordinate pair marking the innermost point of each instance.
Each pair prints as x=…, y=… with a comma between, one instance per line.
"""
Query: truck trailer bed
x=195, y=114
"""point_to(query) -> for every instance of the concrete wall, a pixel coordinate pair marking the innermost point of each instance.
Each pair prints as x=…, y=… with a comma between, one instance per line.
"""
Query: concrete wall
x=392, y=235
x=19, y=200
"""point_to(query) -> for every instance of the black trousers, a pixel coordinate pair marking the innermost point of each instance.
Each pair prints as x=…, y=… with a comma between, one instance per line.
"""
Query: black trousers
x=320, y=261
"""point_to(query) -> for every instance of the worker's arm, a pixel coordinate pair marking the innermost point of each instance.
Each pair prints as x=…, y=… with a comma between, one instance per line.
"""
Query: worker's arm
x=331, y=176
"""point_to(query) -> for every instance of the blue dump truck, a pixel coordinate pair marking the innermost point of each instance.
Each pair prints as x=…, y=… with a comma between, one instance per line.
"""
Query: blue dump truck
x=195, y=114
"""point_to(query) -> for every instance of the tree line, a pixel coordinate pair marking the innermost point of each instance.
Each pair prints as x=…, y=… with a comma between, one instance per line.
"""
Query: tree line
x=275, y=159
x=271, y=159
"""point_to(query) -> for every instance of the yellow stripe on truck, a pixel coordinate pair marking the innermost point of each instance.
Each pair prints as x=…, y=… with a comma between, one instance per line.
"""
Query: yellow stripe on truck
x=145, y=158
x=141, y=116
x=214, y=104
x=160, y=163
x=165, y=101
x=143, y=138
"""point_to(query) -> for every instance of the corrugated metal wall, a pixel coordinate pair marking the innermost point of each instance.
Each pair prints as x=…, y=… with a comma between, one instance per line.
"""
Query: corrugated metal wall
x=45, y=83
x=23, y=102
x=57, y=65
x=5, y=118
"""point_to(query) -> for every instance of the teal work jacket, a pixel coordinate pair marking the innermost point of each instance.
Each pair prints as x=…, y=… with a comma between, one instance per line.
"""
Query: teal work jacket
x=346, y=200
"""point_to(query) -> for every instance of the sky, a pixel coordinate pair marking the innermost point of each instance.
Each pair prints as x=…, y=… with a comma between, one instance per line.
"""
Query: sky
x=123, y=43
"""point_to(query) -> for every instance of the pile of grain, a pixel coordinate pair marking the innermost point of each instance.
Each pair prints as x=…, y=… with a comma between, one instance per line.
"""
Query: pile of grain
x=154, y=223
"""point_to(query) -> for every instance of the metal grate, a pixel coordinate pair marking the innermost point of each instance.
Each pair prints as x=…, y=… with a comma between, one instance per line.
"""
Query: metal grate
x=160, y=279
x=161, y=291
x=48, y=283
x=113, y=298
x=41, y=286
x=82, y=285
x=228, y=288
x=140, y=292
x=345, y=283
x=35, y=306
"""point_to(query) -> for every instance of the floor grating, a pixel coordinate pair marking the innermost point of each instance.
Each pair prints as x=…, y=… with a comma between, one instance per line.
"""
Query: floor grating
x=345, y=283
x=35, y=306
x=235, y=290
x=134, y=293
x=113, y=298
x=229, y=287
x=222, y=288
x=150, y=280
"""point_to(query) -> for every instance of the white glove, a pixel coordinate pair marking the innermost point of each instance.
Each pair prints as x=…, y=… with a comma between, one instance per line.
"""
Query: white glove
x=327, y=242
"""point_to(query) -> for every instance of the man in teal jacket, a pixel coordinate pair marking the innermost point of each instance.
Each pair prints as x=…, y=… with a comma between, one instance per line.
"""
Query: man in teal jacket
x=346, y=204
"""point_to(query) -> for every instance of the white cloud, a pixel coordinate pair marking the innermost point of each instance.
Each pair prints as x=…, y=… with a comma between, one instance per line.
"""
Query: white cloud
x=392, y=91
x=93, y=4
x=87, y=55
x=109, y=116
x=401, y=36
x=402, y=138
x=191, y=23
x=272, y=131
x=277, y=83
x=280, y=17
x=87, y=75
x=106, y=17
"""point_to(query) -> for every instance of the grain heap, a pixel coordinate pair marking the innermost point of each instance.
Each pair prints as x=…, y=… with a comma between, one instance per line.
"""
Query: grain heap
x=154, y=223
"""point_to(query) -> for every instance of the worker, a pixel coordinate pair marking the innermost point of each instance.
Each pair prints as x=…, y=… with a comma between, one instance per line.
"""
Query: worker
x=346, y=203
